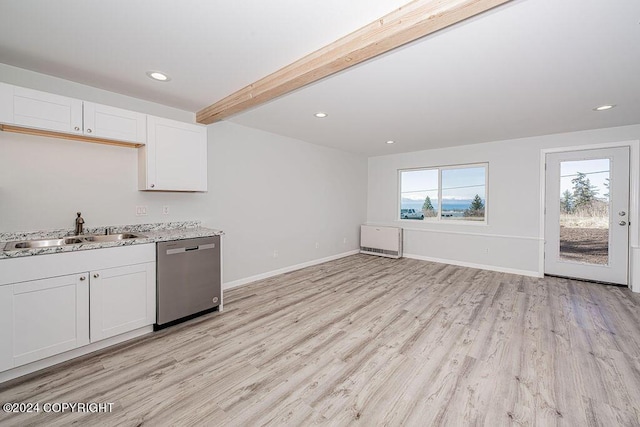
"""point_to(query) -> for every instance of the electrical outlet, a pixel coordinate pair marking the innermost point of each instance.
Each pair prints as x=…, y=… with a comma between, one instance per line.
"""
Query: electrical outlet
x=317, y=245
x=344, y=241
x=275, y=254
x=141, y=211
x=165, y=210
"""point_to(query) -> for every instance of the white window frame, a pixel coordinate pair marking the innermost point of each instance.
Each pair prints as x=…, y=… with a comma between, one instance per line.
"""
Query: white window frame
x=438, y=218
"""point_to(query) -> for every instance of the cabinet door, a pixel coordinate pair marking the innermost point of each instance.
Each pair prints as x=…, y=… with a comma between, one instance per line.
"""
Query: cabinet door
x=6, y=331
x=122, y=299
x=50, y=316
x=107, y=122
x=6, y=103
x=35, y=109
x=176, y=156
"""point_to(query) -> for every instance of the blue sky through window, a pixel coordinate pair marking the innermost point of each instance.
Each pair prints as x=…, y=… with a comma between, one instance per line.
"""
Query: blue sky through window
x=463, y=184
x=418, y=184
x=457, y=183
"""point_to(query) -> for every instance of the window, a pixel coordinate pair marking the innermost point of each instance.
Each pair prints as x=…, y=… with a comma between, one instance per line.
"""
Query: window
x=451, y=193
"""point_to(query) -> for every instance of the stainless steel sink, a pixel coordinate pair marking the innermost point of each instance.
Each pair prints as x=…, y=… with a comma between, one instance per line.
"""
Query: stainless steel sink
x=73, y=240
x=111, y=237
x=36, y=244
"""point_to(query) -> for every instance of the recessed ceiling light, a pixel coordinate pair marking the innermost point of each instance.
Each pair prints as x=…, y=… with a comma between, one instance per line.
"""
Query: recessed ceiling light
x=157, y=75
x=321, y=115
x=390, y=142
x=603, y=107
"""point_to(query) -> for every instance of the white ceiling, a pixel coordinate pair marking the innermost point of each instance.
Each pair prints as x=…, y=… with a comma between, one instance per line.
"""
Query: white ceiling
x=528, y=68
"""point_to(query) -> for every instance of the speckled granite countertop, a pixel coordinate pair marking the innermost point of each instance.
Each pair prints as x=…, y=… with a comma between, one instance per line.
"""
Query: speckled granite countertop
x=159, y=232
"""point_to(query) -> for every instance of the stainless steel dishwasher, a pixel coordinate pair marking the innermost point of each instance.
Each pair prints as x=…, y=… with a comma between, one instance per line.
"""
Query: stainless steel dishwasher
x=189, y=279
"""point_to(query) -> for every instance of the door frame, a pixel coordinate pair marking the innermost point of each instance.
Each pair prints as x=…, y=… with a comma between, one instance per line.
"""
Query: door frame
x=634, y=201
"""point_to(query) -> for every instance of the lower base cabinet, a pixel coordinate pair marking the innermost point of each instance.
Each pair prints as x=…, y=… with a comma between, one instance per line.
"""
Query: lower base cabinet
x=122, y=299
x=6, y=333
x=41, y=318
x=47, y=307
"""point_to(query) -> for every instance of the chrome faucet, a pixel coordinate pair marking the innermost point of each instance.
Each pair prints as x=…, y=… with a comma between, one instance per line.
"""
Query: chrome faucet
x=79, y=224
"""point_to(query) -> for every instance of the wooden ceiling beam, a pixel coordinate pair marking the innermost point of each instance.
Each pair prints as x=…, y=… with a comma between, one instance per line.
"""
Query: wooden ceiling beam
x=406, y=24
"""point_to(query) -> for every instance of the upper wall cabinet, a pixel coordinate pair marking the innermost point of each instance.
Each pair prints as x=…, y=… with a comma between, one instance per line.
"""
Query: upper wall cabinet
x=6, y=103
x=174, y=158
x=114, y=123
x=41, y=110
x=33, y=109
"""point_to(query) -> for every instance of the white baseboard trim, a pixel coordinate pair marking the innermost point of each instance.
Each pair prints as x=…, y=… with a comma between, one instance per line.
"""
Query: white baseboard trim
x=251, y=279
x=473, y=265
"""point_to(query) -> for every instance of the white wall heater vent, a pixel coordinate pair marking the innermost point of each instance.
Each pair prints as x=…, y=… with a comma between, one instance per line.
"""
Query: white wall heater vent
x=382, y=241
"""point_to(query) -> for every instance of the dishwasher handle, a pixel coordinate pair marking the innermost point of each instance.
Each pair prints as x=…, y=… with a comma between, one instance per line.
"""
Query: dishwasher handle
x=190, y=249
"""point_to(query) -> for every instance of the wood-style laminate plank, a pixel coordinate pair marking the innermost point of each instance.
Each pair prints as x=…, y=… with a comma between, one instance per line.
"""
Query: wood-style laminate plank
x=370, y=341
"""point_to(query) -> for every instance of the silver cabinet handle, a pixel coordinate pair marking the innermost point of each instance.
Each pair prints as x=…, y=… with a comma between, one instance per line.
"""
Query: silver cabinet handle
x=76, y=128
x=622, y=213
x=88, y=130
x=95, y=276
x=623, y=223
x=152, y=185
x=82, y=278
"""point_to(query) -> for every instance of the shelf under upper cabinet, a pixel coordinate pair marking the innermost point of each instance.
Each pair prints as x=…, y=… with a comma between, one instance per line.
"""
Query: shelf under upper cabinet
x=52, y=134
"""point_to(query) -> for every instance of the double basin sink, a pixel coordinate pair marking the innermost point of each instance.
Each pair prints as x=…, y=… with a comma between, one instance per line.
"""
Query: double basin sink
x=71, y=240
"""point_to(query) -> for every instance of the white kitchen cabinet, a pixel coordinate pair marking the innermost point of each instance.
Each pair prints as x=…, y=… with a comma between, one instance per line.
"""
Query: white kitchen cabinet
x=32, y=109
x=6, y=103
x=6, y=332
x=52, y=308
x=122, y=299
x=47, y=317
x=174, y=158
x=42, y=110
x=103, y=121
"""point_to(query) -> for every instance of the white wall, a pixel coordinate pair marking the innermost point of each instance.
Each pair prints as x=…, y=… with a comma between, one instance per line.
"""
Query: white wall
x=265, y=191
x=511, y=240
x=279, y=194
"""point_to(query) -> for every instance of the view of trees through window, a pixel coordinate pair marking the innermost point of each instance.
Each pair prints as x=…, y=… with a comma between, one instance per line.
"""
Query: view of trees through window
x=584, y=210
x=455, y=193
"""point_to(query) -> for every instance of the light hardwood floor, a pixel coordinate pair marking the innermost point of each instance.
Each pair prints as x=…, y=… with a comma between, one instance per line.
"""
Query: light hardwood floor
x=371, y=341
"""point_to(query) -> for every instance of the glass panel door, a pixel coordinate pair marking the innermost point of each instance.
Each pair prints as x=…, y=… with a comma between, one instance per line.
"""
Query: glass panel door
x=584, y=211
x=586, y=215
